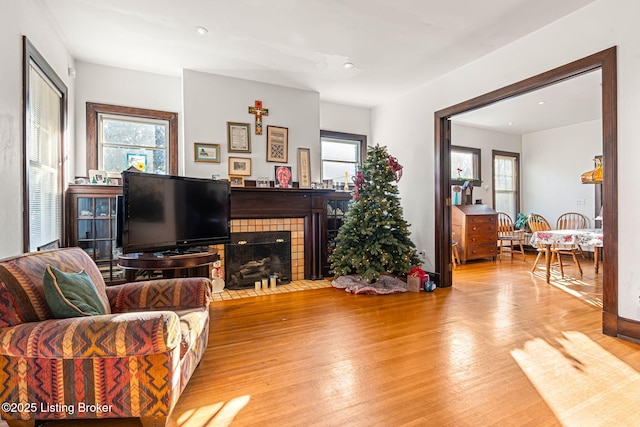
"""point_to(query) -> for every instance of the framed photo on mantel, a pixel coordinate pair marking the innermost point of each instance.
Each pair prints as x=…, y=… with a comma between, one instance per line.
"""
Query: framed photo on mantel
x=304, y=168
x=236, y=180
x=283, y=177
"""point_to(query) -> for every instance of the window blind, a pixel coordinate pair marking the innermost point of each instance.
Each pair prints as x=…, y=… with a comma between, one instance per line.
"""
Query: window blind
x=44, y=139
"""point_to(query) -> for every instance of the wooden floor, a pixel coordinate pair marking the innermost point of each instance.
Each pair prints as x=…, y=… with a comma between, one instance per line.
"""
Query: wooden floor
x=501, y=347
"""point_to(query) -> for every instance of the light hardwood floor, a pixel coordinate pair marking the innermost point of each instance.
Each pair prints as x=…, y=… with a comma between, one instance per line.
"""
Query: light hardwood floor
x=501, y=347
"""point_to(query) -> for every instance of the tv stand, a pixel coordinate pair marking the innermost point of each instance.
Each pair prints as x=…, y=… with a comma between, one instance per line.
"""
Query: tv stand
x=183, y=251
x=171, y=265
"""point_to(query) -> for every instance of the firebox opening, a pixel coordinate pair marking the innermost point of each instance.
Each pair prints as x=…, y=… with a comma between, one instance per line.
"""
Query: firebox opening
x=254, y=256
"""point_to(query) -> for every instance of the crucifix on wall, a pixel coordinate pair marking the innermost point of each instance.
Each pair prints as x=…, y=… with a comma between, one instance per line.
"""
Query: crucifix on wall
x=259, y=112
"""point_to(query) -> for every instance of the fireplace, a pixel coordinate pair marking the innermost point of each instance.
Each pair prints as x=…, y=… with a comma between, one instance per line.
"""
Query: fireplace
x=253, y=256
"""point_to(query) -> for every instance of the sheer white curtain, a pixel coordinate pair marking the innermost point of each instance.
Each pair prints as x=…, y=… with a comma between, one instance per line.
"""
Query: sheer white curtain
x=506, y=189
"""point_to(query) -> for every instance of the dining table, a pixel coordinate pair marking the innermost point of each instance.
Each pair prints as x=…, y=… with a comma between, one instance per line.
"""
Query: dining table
x=591, y=237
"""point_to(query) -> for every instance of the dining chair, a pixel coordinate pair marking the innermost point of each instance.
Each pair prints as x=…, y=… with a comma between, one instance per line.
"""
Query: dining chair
x=539, y=223
x=455, y=257
x=573, y=221
x=508, y=233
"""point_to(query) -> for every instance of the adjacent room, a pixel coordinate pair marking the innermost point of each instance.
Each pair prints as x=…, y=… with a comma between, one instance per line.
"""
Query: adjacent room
x=319, y=213
x=527, y=155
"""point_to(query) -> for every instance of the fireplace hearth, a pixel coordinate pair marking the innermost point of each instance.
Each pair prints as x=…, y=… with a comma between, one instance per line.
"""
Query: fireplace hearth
x=253, y=256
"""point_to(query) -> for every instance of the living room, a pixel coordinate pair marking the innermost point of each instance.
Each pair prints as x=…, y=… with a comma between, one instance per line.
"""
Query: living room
x=205, y=103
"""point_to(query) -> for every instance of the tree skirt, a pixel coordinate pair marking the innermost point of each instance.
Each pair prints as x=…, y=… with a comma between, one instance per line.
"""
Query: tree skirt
x=385, y=285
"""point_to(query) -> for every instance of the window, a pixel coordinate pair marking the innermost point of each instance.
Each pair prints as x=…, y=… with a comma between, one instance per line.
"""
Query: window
x=341, y=153
x=465, y=164
x=119, y=137
x=506, y=174
x=45, y=113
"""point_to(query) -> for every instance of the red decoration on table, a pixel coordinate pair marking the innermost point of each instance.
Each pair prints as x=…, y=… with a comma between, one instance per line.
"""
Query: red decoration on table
x=259, y=112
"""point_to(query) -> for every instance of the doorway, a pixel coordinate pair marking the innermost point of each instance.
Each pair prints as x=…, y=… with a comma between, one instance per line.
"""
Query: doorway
x=604, y=61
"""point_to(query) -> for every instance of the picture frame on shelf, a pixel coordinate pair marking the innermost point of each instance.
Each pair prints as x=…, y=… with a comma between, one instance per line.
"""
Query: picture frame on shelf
x=277, y=144
x=283, y=177
x=238, y=137
x=204, y=152
x=239, y=166
x=114, y=178
x=262, y=182
x=304, y=168
x=236, y=180
x=97, y=177
x=138, y=161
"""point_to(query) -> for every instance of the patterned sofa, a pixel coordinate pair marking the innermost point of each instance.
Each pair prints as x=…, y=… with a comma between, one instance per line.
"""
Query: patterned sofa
x=134, y=361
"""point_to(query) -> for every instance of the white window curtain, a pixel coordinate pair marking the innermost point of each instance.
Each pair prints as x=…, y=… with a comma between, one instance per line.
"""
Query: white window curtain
x=505, y=179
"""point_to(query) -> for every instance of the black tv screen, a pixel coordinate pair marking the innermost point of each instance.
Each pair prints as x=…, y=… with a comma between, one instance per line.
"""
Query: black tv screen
x=165, y=212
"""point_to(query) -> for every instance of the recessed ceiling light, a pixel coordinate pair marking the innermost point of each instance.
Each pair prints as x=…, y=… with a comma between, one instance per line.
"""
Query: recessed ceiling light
x=201, y=30
x=540, y=102
x=348, y=65
x=510, y=123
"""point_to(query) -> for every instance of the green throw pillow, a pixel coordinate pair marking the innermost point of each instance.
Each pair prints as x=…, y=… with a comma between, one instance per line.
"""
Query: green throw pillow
x=71, y=294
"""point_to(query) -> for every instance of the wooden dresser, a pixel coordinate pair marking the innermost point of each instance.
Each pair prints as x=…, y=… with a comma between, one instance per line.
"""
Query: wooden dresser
x=475, y=229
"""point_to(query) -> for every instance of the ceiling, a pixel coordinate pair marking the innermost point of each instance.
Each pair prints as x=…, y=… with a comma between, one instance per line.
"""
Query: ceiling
x=569, y=102
x=395, y=46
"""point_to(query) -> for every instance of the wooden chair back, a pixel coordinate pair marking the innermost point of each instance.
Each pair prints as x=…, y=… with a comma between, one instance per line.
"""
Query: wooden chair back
x=538, y=223
x=572, y=221
x=505, y=225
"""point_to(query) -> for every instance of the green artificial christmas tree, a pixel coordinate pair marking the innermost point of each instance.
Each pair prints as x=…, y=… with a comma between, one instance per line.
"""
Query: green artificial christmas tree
x=374, y=238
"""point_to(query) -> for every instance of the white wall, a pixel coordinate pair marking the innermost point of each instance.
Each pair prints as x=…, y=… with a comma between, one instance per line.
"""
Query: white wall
x=153, y=91
x=553, y=161
x=20, y=18
x=210, y=101
x=127, y=88
x=408, y=129
x=345, y=118
x=487, y=141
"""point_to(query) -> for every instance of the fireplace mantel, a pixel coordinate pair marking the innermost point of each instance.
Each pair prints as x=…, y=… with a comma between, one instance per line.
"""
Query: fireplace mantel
x=254, y=202
x=310, y=204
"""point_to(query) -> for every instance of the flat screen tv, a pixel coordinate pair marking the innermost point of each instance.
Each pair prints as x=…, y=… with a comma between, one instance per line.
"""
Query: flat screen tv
x=165, y=212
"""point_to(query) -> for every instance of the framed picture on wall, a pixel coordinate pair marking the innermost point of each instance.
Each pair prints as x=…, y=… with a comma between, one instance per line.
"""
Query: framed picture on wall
x=239, y=166
x=206, y=152
x=238, y=137
x=277, y=144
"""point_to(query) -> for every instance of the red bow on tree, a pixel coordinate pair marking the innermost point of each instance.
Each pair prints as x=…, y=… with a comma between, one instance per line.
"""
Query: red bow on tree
x=359, y=183
x=396, y=167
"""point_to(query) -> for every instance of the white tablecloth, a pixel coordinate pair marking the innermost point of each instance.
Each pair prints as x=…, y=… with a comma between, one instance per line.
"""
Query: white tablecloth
x=586, y=237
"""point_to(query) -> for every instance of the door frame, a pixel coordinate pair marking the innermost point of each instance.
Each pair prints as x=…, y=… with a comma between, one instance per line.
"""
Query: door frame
x=606, y=61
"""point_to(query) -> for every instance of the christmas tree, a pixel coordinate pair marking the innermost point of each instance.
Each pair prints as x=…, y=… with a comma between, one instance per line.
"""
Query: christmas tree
x=374, y=238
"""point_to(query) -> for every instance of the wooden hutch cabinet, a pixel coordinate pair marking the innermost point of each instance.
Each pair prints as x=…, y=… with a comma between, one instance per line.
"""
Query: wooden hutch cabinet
x=91, y=225
x=476, y=231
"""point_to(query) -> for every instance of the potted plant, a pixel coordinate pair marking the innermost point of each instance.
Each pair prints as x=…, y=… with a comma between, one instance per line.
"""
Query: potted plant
x=522, y=222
